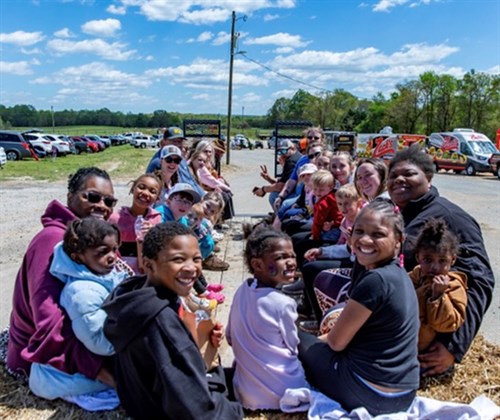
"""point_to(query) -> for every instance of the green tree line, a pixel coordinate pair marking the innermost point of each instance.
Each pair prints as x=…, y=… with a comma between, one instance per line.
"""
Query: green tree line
x=431, y=103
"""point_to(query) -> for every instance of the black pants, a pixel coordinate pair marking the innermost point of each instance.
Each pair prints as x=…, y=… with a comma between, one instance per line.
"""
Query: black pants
x=228, y=212
x=328, y=371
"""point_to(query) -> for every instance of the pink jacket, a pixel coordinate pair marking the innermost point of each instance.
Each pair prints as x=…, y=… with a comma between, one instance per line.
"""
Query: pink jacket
x=40, y=330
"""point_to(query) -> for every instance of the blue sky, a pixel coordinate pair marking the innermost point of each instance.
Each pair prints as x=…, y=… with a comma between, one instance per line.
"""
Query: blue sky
x=143, y=55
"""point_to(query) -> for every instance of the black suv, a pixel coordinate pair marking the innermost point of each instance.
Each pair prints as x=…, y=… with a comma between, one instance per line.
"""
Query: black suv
x=14, y=144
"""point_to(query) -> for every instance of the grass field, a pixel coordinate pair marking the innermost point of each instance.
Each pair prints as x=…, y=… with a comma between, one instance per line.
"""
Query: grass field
x=119, y=161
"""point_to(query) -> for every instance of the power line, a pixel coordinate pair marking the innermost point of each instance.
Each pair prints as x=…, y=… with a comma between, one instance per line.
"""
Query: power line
x=243, y=53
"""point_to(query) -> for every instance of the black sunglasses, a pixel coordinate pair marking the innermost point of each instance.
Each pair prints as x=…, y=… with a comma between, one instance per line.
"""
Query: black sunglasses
x=176, y=160
x=314, y=155
x=313, y=137
x=94, y=198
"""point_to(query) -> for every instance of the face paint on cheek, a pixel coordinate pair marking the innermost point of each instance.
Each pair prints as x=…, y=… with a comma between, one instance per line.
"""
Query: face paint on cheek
x=272, y=270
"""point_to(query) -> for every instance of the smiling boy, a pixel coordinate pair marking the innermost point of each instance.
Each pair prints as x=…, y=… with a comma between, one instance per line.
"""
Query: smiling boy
x=159, y=368
x=179, y=201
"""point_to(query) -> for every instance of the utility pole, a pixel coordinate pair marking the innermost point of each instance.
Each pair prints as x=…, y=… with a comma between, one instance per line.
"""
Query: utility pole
x=230, y=89
x=53, y=121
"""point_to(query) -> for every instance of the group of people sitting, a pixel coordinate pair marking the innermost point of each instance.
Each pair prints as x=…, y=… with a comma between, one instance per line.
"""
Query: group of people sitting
x=102, y=306
x=392, y=279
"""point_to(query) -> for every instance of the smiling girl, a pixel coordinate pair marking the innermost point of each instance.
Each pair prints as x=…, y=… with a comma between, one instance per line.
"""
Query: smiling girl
x=261, y=327
x=145, y=191
x=372, y=348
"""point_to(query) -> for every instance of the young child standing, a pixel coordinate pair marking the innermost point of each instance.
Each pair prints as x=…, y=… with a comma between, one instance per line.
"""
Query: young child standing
x=86, y=262
x=261, y=327
x=378, y=323
x=441, y=293
x=145, y=191
x=159, y=369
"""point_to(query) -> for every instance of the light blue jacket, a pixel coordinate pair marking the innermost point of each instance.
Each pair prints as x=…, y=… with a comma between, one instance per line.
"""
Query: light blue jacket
x=82, y=297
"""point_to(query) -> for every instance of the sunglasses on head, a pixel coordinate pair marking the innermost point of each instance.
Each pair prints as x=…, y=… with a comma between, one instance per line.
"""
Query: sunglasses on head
x=314, y=155
x=173, y=159
x=95, y=197
x=313, y=137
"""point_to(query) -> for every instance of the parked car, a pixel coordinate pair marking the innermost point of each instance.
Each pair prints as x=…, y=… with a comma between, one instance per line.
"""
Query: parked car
x=62, y=147
x=38, y=142
x=71, y=143
x=118, y=139
x=3, y=157
x=14, y=144
x=94, y=137
x=80, y=145
x=145, y=141
x=241, y=142
x=93, y=147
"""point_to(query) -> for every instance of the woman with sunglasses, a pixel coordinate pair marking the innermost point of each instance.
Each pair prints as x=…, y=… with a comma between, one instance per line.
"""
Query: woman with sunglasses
x=40, y=330
x=170, y=158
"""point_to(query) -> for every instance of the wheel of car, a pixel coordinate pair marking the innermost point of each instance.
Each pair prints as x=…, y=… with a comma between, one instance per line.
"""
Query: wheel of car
x=12, y=155
x=142, y=145
x=470, y=170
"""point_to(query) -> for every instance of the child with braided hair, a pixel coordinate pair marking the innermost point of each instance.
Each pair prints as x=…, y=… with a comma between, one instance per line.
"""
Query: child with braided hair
x=441, y=293
x=261, y=327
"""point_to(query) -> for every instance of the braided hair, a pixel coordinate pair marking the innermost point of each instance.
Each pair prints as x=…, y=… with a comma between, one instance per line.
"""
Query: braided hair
x=436, y=236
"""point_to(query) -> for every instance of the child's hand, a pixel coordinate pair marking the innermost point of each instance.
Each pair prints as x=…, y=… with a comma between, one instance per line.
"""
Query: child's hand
x=439, y=285
x=312, y=254
x=217, y=335
x=327, y=226
x=146, y=225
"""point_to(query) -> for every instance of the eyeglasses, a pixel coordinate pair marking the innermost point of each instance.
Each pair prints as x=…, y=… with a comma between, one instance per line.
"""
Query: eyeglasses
x=184, y=201
x=95, y=197
x=314, y=155
x=176, y=160
x=313, y=137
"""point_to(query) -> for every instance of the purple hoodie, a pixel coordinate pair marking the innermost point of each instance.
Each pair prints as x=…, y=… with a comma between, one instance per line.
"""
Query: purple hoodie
x=40, y=330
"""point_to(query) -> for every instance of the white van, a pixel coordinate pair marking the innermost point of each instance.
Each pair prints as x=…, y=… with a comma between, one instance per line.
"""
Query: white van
x=460, y=150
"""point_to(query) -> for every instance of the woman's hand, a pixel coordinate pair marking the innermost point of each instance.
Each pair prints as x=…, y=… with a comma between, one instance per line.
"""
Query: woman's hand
x=217, y=335
x=436, y=360
x=312, y=254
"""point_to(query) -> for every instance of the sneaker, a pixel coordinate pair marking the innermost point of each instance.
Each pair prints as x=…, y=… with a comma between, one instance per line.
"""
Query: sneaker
x=217, y=236
x=222, y=226
x=219, y=297
x=295, y=288
x=311, y=327
x=214, y=263
x=215, y=287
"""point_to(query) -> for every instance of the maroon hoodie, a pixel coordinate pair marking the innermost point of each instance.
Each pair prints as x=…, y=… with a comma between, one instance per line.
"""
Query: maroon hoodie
x=40, y=330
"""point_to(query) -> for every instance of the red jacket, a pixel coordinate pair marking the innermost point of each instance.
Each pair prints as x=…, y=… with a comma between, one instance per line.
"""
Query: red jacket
x=325, y=210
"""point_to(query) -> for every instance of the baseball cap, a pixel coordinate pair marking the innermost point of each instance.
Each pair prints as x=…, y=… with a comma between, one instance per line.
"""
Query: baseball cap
x=169, y=151
x=187, y=189
x=285, y=144
x=308, y=168
x=173, y=133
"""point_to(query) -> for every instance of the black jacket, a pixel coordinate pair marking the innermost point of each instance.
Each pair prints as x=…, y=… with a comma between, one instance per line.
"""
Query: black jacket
x=472, y=260
x=159, y=369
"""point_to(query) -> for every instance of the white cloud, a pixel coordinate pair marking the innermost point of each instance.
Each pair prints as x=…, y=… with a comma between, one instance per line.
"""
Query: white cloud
x=97, y=84
x=281, y=39
x=17, y=68
x=102, y=27
x=495, y=70
x=269, y=17
x=284, y=50
x=200, y=12
x=114, y=51
x=203, y=37
x=64, y=33
x=22, y=38
x=209, y=74
x=387, y=5
x=116, y=10
x=222, y=38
